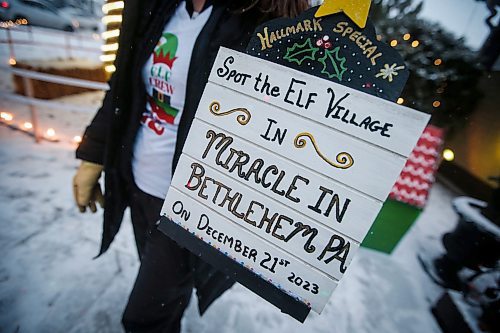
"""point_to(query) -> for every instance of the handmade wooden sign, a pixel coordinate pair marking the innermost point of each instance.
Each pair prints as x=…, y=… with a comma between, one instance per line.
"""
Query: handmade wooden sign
x=290, y=157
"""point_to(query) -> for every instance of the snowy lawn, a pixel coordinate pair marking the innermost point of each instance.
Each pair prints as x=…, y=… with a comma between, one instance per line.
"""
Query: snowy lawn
x=50, y=283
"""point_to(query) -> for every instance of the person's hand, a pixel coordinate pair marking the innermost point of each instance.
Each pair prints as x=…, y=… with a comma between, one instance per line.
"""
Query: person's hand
x=86, y=188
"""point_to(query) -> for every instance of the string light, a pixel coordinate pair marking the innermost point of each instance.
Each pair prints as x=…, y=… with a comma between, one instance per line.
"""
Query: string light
x=448, y=155
x=106, y=8
x=12, y=61
x=10, y=23
x=6, y=116
x=415, y=43
x=436, y=104
x=394, y=43
x=50, y=133
x=400, y=101
x=438, y=62
x=112, y=19
x=406, y=36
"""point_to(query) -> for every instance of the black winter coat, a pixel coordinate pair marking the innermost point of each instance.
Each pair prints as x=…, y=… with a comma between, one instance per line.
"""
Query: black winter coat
x=109, y=139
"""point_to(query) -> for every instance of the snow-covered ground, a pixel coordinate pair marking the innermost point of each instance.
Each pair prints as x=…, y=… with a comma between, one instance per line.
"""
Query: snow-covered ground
x=50, y=283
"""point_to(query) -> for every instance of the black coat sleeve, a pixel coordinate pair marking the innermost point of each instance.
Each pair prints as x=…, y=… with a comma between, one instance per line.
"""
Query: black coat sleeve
x=93, y=145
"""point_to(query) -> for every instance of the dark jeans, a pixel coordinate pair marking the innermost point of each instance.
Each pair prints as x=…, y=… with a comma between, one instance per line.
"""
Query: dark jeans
x=164, y=283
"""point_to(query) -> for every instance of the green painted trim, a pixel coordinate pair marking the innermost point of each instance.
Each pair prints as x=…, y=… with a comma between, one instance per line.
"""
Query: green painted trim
x=392, y=223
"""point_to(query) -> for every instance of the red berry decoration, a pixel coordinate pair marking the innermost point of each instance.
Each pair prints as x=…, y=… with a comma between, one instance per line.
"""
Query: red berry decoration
x=324, y=42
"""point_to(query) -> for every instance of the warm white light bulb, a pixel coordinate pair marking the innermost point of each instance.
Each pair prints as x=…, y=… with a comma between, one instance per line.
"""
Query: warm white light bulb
x=110, y=68
x=110, y=34
x=51, y=133
x=112, y=19
x=6, y=116
x=448, y=155
x=112, y=6
x=109, y=47
x=108, y=57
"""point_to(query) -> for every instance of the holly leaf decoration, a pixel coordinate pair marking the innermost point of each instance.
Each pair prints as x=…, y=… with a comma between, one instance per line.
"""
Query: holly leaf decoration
x=333, y=64
x=300, y=52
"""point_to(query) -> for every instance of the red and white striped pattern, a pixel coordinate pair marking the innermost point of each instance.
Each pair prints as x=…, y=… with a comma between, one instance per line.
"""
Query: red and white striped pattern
x=417, y=176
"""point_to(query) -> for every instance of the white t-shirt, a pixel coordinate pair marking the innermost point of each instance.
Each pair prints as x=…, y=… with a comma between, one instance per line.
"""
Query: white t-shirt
x=165, y=76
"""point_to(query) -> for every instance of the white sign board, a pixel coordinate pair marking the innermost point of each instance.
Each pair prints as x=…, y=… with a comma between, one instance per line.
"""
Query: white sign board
x=284, y=172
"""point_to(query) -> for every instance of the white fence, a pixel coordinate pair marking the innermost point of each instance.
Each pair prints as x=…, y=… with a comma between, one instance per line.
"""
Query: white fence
x=29, y=42
x=33, y=103
x=25, y=42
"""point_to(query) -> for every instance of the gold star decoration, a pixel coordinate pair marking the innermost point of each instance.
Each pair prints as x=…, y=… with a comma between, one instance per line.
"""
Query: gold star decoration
x=356, y=10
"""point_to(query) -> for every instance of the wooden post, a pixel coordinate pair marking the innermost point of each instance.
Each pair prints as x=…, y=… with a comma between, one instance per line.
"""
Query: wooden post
x=68, y=45
x=30, y=31
x=11, y=45
x=28, y=91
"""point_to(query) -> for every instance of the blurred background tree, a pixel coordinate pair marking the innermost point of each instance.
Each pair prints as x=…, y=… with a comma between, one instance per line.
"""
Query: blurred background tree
x=444, y=72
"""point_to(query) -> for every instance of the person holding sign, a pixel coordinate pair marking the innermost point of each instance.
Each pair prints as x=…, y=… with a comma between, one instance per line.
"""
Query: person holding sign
x=167, y=49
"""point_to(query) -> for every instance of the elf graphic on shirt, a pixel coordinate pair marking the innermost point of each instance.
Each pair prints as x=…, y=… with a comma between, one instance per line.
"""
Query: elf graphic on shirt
x=162, y=90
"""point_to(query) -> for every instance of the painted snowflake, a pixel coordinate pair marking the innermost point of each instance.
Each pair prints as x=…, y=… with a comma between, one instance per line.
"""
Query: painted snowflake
x=388, y=72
